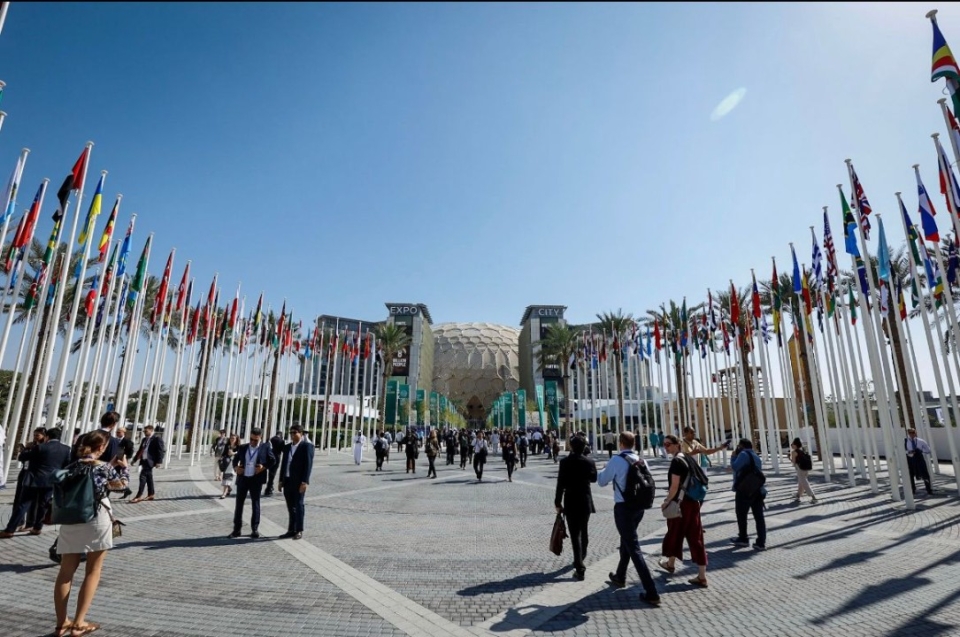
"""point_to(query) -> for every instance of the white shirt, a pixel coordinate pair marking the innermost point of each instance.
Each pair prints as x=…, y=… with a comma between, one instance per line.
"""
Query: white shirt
x=250, y=465
x=360, y=439
x=293, y=450
x=918, y=444
x=537, y=435
x=479, y=444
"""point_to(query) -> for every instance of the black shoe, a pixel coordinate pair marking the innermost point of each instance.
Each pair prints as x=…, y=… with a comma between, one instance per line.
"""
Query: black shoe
x=286, y=535
x=580, y=574
x=255, y=535
x=616, y=581
x=234, y=535
x=126, y=493
x=653, y=600
x=268, y=494
x=760, y=547
x=738, y=542
x=298, y=536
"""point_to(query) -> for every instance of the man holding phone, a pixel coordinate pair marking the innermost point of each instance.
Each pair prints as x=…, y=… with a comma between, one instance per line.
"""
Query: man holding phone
x=251, y=461
x=692, y=447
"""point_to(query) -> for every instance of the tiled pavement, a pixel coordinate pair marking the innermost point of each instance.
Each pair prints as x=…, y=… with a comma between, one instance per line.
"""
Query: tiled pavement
x=392, y=554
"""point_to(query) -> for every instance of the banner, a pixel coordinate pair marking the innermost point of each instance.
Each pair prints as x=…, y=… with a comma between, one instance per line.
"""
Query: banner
x=390, y=409
x=551, y=370
x=443, y=411
x=403, y=399
x=421, y=412
x=553, y=404
x=540, y=404
x=401, y=361
x=522, y=409
x=508, y=410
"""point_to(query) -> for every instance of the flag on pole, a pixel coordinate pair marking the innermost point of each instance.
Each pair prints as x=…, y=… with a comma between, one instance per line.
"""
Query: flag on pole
x=932, y=270
x=125, y=248
x=755, y=299
x=797, y=282
x=258, y=314
x=25, y=233
x=945, y=65
x=777, y=304
x=734, y=310
x=831, y=251
x=883, y=255
x=852, y=305
x=10, y=192
x=183, y=299
x=927, y=211
x=140, y=276
x=849, y=227
x=901, y=303
x=816, y=262
x=86, y=232
x=948, y=182
x=161, y=297
x=72, y=182
x=860, y=201
x=107, y=235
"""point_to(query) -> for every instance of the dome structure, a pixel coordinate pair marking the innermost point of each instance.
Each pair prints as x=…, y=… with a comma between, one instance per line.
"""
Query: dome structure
x=473, y=363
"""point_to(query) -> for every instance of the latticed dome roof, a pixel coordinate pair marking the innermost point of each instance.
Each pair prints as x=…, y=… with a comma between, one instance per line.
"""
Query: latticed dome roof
x=475, y=359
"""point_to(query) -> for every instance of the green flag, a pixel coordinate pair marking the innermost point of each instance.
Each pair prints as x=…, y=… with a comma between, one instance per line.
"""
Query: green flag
x=136, y=286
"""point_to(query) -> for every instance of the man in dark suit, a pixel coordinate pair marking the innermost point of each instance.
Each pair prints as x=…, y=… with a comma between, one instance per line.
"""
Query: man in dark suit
x=252, y=461
x=125, y=448
x=43, y=460
x=296, y=467
x=576, y=473
x=149, y=456
x=277, y=445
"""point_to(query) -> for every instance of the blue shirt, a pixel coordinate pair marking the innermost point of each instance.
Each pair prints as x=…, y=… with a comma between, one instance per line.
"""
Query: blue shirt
x=616, y=472
x=740, y=464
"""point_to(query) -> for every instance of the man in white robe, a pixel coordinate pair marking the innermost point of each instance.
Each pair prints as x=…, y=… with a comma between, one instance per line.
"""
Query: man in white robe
x=358, y=441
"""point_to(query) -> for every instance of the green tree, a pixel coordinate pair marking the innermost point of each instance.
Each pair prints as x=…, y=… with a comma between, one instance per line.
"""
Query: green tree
x=557, y=348
x=391, y=340
x=617, y=326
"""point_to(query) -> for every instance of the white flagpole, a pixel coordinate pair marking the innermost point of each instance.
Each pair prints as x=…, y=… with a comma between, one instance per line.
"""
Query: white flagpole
x=10, y=200
x=108, y=346
x=855, y=408
x=21, y=391
x=870, y=423
x=835, y=386
x=185, y=401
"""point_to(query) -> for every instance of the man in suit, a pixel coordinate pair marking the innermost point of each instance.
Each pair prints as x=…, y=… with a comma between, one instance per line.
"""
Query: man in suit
x=277, y=445
x=575, y=499
x=296, y=467
x=252, y=461
x=125, y=448
x=43, y=460
x=149, y=456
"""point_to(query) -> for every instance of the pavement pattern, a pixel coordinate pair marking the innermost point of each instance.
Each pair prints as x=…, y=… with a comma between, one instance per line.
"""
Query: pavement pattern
x=390, y=553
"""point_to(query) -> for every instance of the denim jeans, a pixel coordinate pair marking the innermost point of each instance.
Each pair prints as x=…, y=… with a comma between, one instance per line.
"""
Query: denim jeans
x=627, y=521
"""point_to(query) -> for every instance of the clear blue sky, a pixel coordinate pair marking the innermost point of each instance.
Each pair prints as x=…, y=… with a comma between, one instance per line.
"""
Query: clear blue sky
x=476, y=158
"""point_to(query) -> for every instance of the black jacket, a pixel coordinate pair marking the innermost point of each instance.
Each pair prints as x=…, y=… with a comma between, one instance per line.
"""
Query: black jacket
x=278, y=445
x=125, y=446
x=264, y=456
x=301, y=465
x=152, y=451
x=43, y=461
x=576, y=472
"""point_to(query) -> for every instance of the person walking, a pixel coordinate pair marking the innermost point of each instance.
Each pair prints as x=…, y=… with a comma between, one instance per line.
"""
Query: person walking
x=450, y=441
x=522, y=446
x=432, y=448
x=464, y=449
x=297, y=465
x=627, y=520
x=479, y=455
x=358, y=441
x=574, y=498
x=750, y=494
x=803, y=463
x=494, y=442
x=92, y=539
x=251, y=462
x=149, y=456
x=610, y=443
x=216, y=450
x=380, y=447
x=692, y=447
x=688, y=526
x=917, y=450
x=226, y=464
x=36, y=482
x=411, y=443
x=508, y=449
x=277, y=445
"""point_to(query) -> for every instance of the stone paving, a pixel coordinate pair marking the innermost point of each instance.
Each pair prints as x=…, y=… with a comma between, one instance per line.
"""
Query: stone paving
x=393, y=553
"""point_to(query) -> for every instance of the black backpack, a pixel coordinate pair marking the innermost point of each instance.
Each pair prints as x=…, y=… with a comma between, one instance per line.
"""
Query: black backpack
x=641, y=489
x=751, y=481
x=75, y=497
x=804, y=461
x=522, y=443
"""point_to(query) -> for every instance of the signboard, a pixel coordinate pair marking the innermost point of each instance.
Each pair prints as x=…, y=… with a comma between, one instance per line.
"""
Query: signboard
x=421, y=412
x=553, y=403
x=540, y=403
x=550, y=370
x=403, y=309
x=443, y=410
x=401, y=360
x=403, y=398
x=521, y=409
x=508, y=410
x=547, y=311
x=434, y=406
x=390, y=409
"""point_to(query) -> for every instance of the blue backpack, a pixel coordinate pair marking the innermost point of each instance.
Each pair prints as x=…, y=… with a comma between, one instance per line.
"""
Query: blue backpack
x=695, y=486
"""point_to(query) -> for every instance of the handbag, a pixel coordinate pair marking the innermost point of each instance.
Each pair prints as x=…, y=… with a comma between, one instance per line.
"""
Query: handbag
x=117, y=528
x=558, y=535
x=672, y=510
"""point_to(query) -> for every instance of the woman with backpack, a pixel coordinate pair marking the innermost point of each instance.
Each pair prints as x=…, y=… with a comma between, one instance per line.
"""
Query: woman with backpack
x=803, y=463
x=226, y=464
x=381, y=446
x=92, y=538
x=680, y=478
x=433, y=450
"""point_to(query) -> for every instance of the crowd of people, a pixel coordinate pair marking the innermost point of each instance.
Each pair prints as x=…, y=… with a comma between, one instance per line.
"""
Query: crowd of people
x=257, y=467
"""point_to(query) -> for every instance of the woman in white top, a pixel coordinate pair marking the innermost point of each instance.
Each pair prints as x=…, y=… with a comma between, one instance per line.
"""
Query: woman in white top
x=495, y=442
x=479, y=455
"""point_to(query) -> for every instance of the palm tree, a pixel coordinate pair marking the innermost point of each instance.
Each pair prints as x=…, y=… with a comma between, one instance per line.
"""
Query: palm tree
x=558, y=348
x=742, y=328
x=618, y=325
x=391, y=340
x=674, y=322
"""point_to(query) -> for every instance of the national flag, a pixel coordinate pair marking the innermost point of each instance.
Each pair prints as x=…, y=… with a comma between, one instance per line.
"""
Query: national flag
x=816, y=262
x=797, y=283
x=182, y=289
x=932, y=270
x=883, y=255
x=683, y=324
x=258, y=314
x=831, y=251
x=884, y=297
x=281, y=323
x=777, y=304
x=805, y=293
x=734, y=310
x=9, y=198
x=161, y=298
x=194, y=324
x=33, y=294
x=73, y=181
x=849, y=228
x=862, y=277
x=107, y=235
x=125, y=248
x=945, y=65
x=232, y=323
x=926, y=209
x=914, y=293
x=954, y=127
x=852, y=306
x=953, y=264
x=764, y=329
x=948, y=181
x=657, y=336
x=713, y=314
x=140, y=276
x=859, y=199
x=93, y=212
x=901, y=303
x=755, y=298
x=25, y=232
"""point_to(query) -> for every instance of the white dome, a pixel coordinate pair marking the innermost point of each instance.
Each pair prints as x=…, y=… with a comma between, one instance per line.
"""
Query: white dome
x=476, y=361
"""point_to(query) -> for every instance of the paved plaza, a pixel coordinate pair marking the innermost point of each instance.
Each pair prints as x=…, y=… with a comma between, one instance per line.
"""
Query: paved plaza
x=397, y=554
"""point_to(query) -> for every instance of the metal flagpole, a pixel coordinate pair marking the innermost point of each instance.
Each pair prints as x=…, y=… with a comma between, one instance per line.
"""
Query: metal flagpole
x=855, y=407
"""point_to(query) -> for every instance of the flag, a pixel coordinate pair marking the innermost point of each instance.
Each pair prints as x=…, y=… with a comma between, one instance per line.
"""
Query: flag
x=125, y=248
x=281, y=323
x=831, y=251
x=258, y=314
x=948, y=182
x=104, y=246
x=713, y=315
x=73, y=181
x=683, y=323
x=182, y=296
x=884, y=298
x=953, y=264
x=816, y=262
x=797, y=283
x=777, y=303
x=852, y=305
x=927, y=211
x=757, y=312
x=657, y=335
x=25, y=233
x=914, y=293
x=883, y=255
x=945, y=65
x=140, y=277
x=10, y=192
x=849, y=228
x=901, y=303
x=764, y=329
x=92, y=213
x=860, y=202
x=934, y=280
x=862, y=276
x=734, y=310
x=161, y=297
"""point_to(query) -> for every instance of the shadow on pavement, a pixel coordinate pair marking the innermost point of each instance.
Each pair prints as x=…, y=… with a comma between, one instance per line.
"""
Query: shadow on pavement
x=524, y=580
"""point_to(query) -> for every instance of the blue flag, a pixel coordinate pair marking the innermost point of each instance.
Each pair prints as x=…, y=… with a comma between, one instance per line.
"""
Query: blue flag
x=883, y=255
x=797, y=281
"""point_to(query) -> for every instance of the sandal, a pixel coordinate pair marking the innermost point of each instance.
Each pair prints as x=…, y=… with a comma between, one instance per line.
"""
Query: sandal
x=696, y=581
x=665, y=566
x=86, y=629
x=62, y=631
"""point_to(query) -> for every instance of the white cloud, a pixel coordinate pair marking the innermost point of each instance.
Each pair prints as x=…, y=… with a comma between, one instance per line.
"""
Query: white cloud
x=727, y=104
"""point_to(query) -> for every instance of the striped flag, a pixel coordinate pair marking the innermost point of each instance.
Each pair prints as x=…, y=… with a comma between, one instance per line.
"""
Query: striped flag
x=831, y=251
x=948, y=182
x=849, y=228
x=944, y=64
x=927, y=212
x=859, y=199
x=817, y=262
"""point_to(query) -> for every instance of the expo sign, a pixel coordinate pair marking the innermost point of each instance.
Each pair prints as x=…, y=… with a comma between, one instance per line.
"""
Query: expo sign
x=404, y=310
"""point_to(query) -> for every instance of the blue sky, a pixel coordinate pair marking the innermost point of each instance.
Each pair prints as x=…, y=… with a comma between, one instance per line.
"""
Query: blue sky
x=476, y=158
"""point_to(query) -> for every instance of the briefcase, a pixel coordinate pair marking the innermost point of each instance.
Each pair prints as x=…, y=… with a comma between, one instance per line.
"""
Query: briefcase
x=558, y=535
